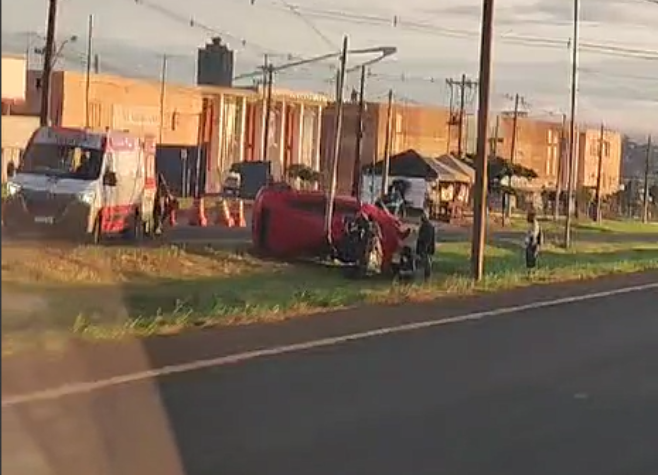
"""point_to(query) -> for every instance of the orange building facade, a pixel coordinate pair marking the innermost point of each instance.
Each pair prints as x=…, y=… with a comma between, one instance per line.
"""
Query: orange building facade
x=227, y=122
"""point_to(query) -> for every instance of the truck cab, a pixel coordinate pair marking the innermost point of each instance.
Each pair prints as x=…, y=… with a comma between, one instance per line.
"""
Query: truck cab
x=76, y=183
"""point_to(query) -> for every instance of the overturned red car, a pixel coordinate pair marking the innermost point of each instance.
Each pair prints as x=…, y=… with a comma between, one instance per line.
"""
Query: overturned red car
x=288, y=223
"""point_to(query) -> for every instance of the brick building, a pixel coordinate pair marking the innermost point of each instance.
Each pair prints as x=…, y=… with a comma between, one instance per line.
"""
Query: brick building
x=423, y=129
x=539, y=146
x=543, y=146
x=588, y=160
x=226, y=122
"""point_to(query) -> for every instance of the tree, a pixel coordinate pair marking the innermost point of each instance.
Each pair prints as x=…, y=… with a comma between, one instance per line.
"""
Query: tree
x=305, y=174
x=500, y=169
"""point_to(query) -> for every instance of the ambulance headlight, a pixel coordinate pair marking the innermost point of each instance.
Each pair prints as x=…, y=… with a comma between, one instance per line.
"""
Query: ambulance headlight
x=13, y=189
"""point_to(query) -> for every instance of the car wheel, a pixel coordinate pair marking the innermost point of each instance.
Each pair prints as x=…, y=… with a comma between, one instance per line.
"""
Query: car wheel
x=263, y=232
x=136, y=231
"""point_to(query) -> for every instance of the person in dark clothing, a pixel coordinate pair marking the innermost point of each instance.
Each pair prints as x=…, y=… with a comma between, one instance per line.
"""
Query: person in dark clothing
x=533, y=241
x=426, y=245
x=407, y=266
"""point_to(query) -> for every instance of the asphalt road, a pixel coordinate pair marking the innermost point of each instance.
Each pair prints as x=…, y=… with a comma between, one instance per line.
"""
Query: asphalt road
x=565, y=389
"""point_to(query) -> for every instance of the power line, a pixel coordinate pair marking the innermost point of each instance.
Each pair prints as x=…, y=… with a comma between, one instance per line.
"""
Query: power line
x=522, y=40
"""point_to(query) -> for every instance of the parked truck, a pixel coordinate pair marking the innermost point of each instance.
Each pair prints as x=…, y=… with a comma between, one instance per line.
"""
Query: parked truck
x=76, y=183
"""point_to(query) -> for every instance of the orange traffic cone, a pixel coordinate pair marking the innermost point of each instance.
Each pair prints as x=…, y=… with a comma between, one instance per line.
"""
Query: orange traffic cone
x=238, y=215
x=224, y=217
x=198, y=217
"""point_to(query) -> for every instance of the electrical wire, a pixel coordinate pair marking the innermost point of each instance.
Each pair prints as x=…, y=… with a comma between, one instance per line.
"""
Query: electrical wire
x=423, y=27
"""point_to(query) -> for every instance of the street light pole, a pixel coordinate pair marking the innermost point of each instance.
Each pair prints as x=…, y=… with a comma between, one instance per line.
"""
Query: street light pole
x=573, y=160
x=338, y=126
x=481, y=180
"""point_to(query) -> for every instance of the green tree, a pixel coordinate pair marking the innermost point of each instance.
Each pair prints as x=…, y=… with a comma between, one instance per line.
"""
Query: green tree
x=499, y=170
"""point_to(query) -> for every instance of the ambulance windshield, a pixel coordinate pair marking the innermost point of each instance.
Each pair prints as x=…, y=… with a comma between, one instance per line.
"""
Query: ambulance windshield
x=63, y=161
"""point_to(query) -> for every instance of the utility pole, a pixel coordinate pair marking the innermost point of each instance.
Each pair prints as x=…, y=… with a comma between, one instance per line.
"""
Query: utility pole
x=47, y=72
x=450, y=116
x=356, y=172
x=163, y=87
x=560, y=169
x=462, y=105
x=573, y=159
x=462, y=85
x=90, y=34
x=387, y=143
x=481, y=180
x=338, y=126
x=515, y=128
x=599, y=176
x=494, y=148
x=269, y=80
x=647, y=170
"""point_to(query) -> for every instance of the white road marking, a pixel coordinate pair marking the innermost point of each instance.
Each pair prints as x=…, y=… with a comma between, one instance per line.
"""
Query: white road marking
x=80, y=388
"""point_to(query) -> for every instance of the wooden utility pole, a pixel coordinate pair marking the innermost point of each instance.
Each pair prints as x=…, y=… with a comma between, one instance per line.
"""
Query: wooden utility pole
x=90, y=35
x=356, y=172
x=573, y=159
x=387, y=144
x=560, y=169
x=599, y=175
x=462, y=106
x=515, y=127
x=48, y=60
x=450, y=116
x=462, y=84
x=647, y=171
x=269, y=80
x=494, y=148
x=338, y=128
x=163, y=88
x=481, y=180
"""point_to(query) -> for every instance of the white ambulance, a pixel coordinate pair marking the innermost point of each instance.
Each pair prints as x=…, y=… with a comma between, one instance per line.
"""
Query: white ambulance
x=76, y=183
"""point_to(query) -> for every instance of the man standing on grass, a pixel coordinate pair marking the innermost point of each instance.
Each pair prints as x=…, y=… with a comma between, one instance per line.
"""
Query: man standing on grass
x=533, y=241
x=426, y=245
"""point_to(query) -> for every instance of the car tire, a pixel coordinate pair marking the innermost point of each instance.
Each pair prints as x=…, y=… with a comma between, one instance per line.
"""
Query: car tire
x=261, y=237
x=136, y=231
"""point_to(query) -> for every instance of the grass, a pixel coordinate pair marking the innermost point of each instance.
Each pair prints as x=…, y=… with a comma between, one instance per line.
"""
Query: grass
x=51, y=295
x=628, y=226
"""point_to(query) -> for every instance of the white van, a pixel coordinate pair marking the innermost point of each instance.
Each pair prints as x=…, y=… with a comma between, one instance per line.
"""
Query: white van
x=76, y=183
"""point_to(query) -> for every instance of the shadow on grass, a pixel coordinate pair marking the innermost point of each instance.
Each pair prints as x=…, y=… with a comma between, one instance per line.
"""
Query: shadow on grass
x=144, y=305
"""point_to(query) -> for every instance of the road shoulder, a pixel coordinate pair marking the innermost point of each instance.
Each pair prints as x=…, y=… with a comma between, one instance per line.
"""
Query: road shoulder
x=96, y=361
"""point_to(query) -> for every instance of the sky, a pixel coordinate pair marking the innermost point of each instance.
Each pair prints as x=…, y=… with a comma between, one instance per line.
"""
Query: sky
x=435, y=39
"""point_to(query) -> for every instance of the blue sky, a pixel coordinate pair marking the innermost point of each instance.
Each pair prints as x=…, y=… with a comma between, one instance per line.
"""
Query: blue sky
x=436, y=39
